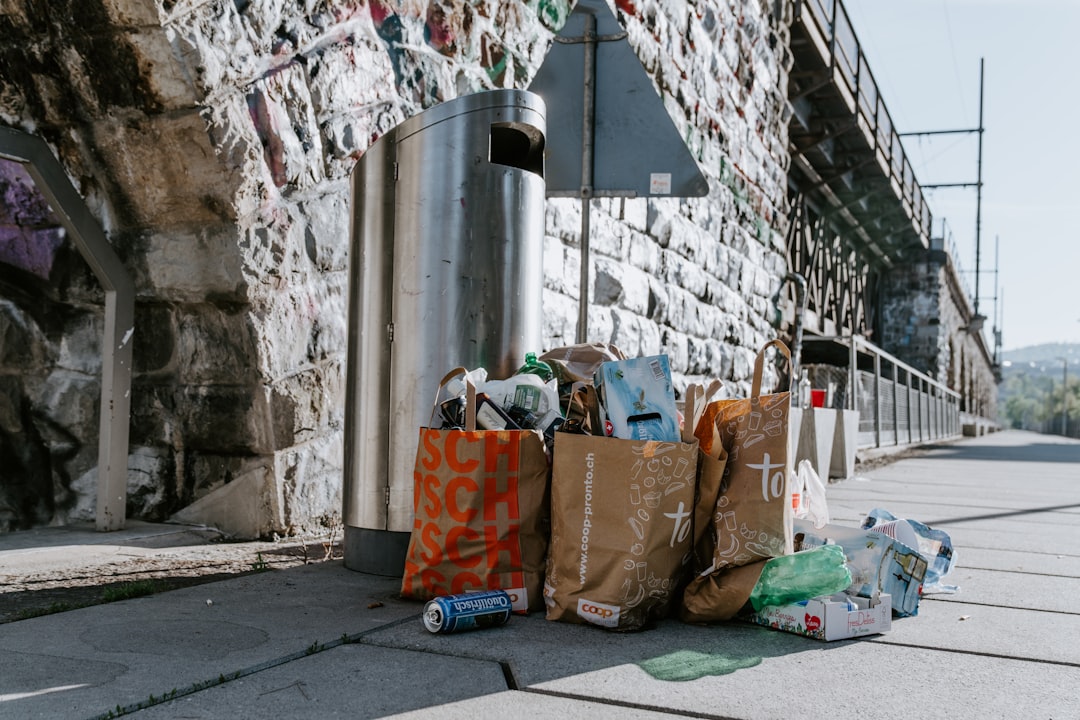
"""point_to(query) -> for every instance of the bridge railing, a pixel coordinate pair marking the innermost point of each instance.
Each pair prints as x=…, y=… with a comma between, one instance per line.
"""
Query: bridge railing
x=897, y=404
x=851, y=73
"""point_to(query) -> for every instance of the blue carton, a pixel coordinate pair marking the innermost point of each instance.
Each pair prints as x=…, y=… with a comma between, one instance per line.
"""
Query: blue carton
x=878, y=563
x=638, y=398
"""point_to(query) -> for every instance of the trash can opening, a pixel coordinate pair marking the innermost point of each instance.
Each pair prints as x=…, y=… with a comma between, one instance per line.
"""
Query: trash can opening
x=517, y=145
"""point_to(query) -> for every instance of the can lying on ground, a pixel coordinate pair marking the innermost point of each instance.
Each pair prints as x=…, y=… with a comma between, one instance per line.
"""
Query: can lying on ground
x=468, y=611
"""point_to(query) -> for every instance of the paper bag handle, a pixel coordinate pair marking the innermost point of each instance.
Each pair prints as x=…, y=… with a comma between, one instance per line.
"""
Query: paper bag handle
x=695, y=405
x=697, y=399
x=759, y=364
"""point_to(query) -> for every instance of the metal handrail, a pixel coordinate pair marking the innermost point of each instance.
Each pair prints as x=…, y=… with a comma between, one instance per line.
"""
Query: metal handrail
x=113, y=427
x=930, y=408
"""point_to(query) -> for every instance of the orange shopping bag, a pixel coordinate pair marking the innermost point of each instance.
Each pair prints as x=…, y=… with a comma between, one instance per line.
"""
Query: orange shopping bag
x=480, y=512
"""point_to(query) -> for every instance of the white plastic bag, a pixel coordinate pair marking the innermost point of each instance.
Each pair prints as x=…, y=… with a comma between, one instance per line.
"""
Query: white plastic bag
x=808, y=495
x=528, y=392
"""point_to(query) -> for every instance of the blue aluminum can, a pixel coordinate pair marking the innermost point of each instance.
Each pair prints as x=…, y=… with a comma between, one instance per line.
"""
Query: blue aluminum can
x=468, y=611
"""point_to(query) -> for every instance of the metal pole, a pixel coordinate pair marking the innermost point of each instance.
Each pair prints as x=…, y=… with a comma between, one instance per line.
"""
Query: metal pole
x=910, y=414
x=853, y=368
x=877, y=400
x=116, y=345
x=922, y=408
x=997, y=327
x=978, y=188
x=587, y=149
x=895, y=405
x=1065, y=397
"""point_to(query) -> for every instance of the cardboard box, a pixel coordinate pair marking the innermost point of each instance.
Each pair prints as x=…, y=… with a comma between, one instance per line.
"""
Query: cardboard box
x=638, y=398
x=830, y=617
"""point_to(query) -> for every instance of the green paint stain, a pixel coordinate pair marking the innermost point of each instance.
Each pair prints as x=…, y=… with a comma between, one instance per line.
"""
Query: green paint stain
x=496, y=71
x=690, y=665
x=553, y=13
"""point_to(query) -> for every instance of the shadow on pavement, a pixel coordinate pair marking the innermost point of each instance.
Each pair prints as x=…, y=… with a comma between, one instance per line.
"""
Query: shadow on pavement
x=533, y=650
x=995, y=516
x=1063, y=452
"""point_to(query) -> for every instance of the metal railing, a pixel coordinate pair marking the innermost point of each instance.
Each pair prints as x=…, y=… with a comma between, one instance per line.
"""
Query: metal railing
x=52, y=181
x=897, y=404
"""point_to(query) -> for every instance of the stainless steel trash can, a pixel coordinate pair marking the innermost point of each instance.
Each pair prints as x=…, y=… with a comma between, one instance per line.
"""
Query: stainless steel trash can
x=445, y=270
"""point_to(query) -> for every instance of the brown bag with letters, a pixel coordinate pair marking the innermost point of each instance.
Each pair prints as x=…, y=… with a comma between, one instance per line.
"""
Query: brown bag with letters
x=752, y=512
x=481, y=512
x=621, y=528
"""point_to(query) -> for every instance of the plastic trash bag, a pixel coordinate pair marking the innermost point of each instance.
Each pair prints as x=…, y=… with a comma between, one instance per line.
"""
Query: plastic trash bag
x=808, y=495
x=935, y=546
x=801, y=576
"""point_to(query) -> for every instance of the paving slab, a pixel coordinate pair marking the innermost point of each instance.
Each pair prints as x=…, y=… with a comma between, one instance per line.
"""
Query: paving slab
x=847, y=680
x=123, y=652
x=536, y=650
x=934, y=509
x=136, y=533
x=323, y=641
x=532, y=702
x=1035, y=563
x=1049, y=593
x=70, y=547
x=349, y=681
x=987, y=535
x=1015, y=633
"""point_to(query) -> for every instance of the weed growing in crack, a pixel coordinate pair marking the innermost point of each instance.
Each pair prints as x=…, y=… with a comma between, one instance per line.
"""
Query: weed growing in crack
x=134, y=589
x=260, y=564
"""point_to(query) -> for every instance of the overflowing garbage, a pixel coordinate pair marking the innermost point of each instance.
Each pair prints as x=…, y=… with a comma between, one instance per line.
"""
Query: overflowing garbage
x=579, y=486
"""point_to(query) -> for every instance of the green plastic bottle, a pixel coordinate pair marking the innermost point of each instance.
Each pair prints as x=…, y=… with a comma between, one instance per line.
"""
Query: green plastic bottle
x=804, y=575
x=533, y=366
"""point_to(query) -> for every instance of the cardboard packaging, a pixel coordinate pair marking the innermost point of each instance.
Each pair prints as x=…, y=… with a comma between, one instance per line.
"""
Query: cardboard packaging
x=830, y=617
x=879, y=564
x=638, y=397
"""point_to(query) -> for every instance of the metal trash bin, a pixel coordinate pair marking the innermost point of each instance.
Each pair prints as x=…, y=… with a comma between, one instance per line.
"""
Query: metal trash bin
x=446, y=269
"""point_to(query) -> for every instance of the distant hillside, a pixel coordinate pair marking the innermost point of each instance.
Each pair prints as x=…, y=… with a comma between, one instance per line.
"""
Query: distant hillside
x=1030, y=394
x=1045, y=354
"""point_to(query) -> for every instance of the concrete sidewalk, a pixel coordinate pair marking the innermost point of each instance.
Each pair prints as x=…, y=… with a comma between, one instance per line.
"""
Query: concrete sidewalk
x=321, y=641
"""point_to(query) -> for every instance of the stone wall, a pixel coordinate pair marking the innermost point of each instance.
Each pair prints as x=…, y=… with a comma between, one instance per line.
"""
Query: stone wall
x=214, y=140
x=925, y=316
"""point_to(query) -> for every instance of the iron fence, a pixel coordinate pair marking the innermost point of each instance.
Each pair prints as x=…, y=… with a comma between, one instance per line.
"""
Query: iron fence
x=897, y=404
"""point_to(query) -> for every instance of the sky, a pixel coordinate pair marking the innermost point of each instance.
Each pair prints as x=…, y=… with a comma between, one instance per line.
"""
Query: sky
x=924, y=55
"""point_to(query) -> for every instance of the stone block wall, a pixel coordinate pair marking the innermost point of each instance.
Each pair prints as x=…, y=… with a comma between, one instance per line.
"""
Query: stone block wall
x=925, y=316
x=214, y=140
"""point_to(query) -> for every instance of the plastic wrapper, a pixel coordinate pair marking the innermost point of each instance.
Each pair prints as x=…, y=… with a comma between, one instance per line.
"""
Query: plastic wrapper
x=935, y=546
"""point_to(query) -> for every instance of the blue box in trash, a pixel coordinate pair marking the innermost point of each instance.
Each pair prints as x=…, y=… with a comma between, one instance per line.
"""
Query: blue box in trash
x=638, y=398
x=878, y=563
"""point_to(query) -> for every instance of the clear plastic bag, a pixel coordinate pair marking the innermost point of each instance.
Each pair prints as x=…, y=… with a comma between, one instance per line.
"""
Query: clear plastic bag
x=808, y=495
x=935, y=546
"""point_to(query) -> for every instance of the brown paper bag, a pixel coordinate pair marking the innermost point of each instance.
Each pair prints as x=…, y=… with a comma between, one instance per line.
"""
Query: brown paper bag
x=621, y=528
x=753, y=513
x=752, y=510
x=481, y=512
x=710, y=475
x=719, y=595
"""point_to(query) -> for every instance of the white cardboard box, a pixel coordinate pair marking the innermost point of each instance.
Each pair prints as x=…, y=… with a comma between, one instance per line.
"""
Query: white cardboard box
x=830, y=617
